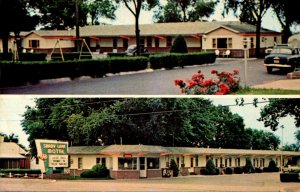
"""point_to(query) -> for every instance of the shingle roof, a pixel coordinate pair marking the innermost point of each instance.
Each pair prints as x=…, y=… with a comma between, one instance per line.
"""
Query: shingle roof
x=85, y=150
x=172, y=150
x=11, y=150
x=164, y=29
x=187, y=28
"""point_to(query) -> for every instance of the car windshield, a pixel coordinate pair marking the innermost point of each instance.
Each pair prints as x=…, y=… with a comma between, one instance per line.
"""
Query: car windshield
x=282, y=51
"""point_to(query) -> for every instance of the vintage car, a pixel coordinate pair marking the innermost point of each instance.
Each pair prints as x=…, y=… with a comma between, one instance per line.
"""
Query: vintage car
x=283, y=57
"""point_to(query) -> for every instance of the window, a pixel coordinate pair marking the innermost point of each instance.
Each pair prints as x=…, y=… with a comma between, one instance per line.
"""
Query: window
x=98, y=160
x=230, y=162
x=237, y=162
x=222, y=43
x=115, y=43
x=149, y=41
x=196, y=161
x=34, y=43
x=156, y=42
x=79, y=163
x=216, y=162
x=192, y=162
x=182, y=161
x=221, y=162
x=214, y=43
x=169, y=41
x=177, y=161
x=125, y=43
x=127, y=163
x=142, y=43
x=252, y=42
x=153, y=163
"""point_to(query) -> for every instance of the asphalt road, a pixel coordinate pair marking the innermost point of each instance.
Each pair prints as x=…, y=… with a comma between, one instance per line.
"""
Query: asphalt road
x=244, y=182
x=149, y=82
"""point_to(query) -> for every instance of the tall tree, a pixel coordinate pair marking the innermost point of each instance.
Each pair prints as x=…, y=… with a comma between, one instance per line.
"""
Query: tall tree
x=185, y=10
x=279, y=108
x=14, y=17
x=250, y=11
x=287, y=15
x=135, y=7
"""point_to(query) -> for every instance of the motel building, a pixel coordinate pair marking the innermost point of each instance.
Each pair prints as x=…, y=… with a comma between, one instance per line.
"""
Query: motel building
x=12, y=156
x=144, y=161
x=225, y=38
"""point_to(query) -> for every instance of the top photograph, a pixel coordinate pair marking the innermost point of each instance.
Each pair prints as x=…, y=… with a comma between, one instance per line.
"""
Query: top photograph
x=149, y=47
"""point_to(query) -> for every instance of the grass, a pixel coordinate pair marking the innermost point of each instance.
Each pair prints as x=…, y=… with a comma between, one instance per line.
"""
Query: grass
x=251, y=91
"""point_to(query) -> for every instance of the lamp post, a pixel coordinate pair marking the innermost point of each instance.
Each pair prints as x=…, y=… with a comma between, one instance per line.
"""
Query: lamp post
x=204, y=40
x=281, y=157
x=245, y=44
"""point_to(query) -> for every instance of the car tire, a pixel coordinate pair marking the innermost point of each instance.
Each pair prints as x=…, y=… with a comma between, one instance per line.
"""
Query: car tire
x=269, y=70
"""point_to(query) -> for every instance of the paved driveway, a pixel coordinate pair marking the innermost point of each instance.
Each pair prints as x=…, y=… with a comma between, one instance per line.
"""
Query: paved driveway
x=158, y=82
x=245, y=182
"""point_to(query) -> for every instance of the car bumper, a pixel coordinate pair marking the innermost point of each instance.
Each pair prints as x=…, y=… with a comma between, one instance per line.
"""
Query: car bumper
x=278, y=65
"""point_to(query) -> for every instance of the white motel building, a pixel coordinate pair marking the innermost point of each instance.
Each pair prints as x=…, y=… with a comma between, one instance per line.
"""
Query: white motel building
x=200, y=36
x=144, y=161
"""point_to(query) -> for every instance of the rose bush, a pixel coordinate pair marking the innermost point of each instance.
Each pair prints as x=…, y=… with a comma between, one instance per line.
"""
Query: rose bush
x=225, y=84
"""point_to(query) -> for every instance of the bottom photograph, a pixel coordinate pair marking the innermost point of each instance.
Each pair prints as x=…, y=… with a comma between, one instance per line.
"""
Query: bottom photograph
x=149, y=144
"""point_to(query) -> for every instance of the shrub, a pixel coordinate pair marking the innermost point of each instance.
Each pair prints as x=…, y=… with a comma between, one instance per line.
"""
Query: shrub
x=171, y=60
x=238, y=170
x=273, y=167
x=226, y=83
x=120, y=54
x=179, y=45
x=289, y=177
x=228, y=170
x=71, y=56
x=258, y=170
x=210, y=168
x=174, y=168
x=32, y=56
x=21, y=171
x=97, y=171
x=248, y=168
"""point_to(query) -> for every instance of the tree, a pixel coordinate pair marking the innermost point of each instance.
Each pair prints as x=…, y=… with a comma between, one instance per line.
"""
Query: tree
x=60, y=14
x=185, y=10
x=174, y=168
x=210, y=168
x=279, y=108
x=287, y=14
x=135, y=6
x=179, y=45
x=250, y=11
x=14, y=17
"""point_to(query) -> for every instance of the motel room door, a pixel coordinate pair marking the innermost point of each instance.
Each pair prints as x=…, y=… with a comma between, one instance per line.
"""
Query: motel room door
x=143, y=171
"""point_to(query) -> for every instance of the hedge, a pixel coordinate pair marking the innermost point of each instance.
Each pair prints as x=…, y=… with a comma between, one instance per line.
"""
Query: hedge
x=20, y=171
x=71, y=56
x=24, y=56
x=172, y=60
x=289, y=177
x=21, y=72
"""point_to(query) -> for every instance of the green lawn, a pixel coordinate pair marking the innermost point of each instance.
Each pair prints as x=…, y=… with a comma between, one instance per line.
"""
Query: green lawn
x=251, y=91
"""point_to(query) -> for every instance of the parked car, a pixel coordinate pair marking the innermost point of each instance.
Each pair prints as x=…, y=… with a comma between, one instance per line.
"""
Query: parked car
x=132, y=50
x=282, y=57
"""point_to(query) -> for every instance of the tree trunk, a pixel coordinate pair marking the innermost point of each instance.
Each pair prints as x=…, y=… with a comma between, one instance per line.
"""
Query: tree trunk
x=137, y=34
x=258, y=28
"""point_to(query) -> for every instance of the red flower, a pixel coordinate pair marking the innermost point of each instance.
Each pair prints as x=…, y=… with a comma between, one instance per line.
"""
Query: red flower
x=199, y=71
x=236, y=72
x=179, y=82
x=214, y=71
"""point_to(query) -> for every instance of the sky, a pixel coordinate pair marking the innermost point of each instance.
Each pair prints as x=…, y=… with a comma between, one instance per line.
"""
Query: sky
x=13, y=107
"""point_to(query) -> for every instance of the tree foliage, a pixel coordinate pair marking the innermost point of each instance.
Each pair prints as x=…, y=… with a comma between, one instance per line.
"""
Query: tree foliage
x=182, y=122
x=14, y=17
x=185, y=10
x=287, y=13
x=60, y=14
x=250, y=11
x=280, y=108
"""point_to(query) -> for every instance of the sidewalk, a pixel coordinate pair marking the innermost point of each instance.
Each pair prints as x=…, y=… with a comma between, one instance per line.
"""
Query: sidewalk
x=287, y=84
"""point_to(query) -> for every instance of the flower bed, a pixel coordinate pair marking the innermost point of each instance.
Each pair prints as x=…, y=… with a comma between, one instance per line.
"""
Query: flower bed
x=225, y=84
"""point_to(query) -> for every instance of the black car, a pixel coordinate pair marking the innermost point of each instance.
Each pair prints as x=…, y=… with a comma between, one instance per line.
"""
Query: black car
x=283, y=57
